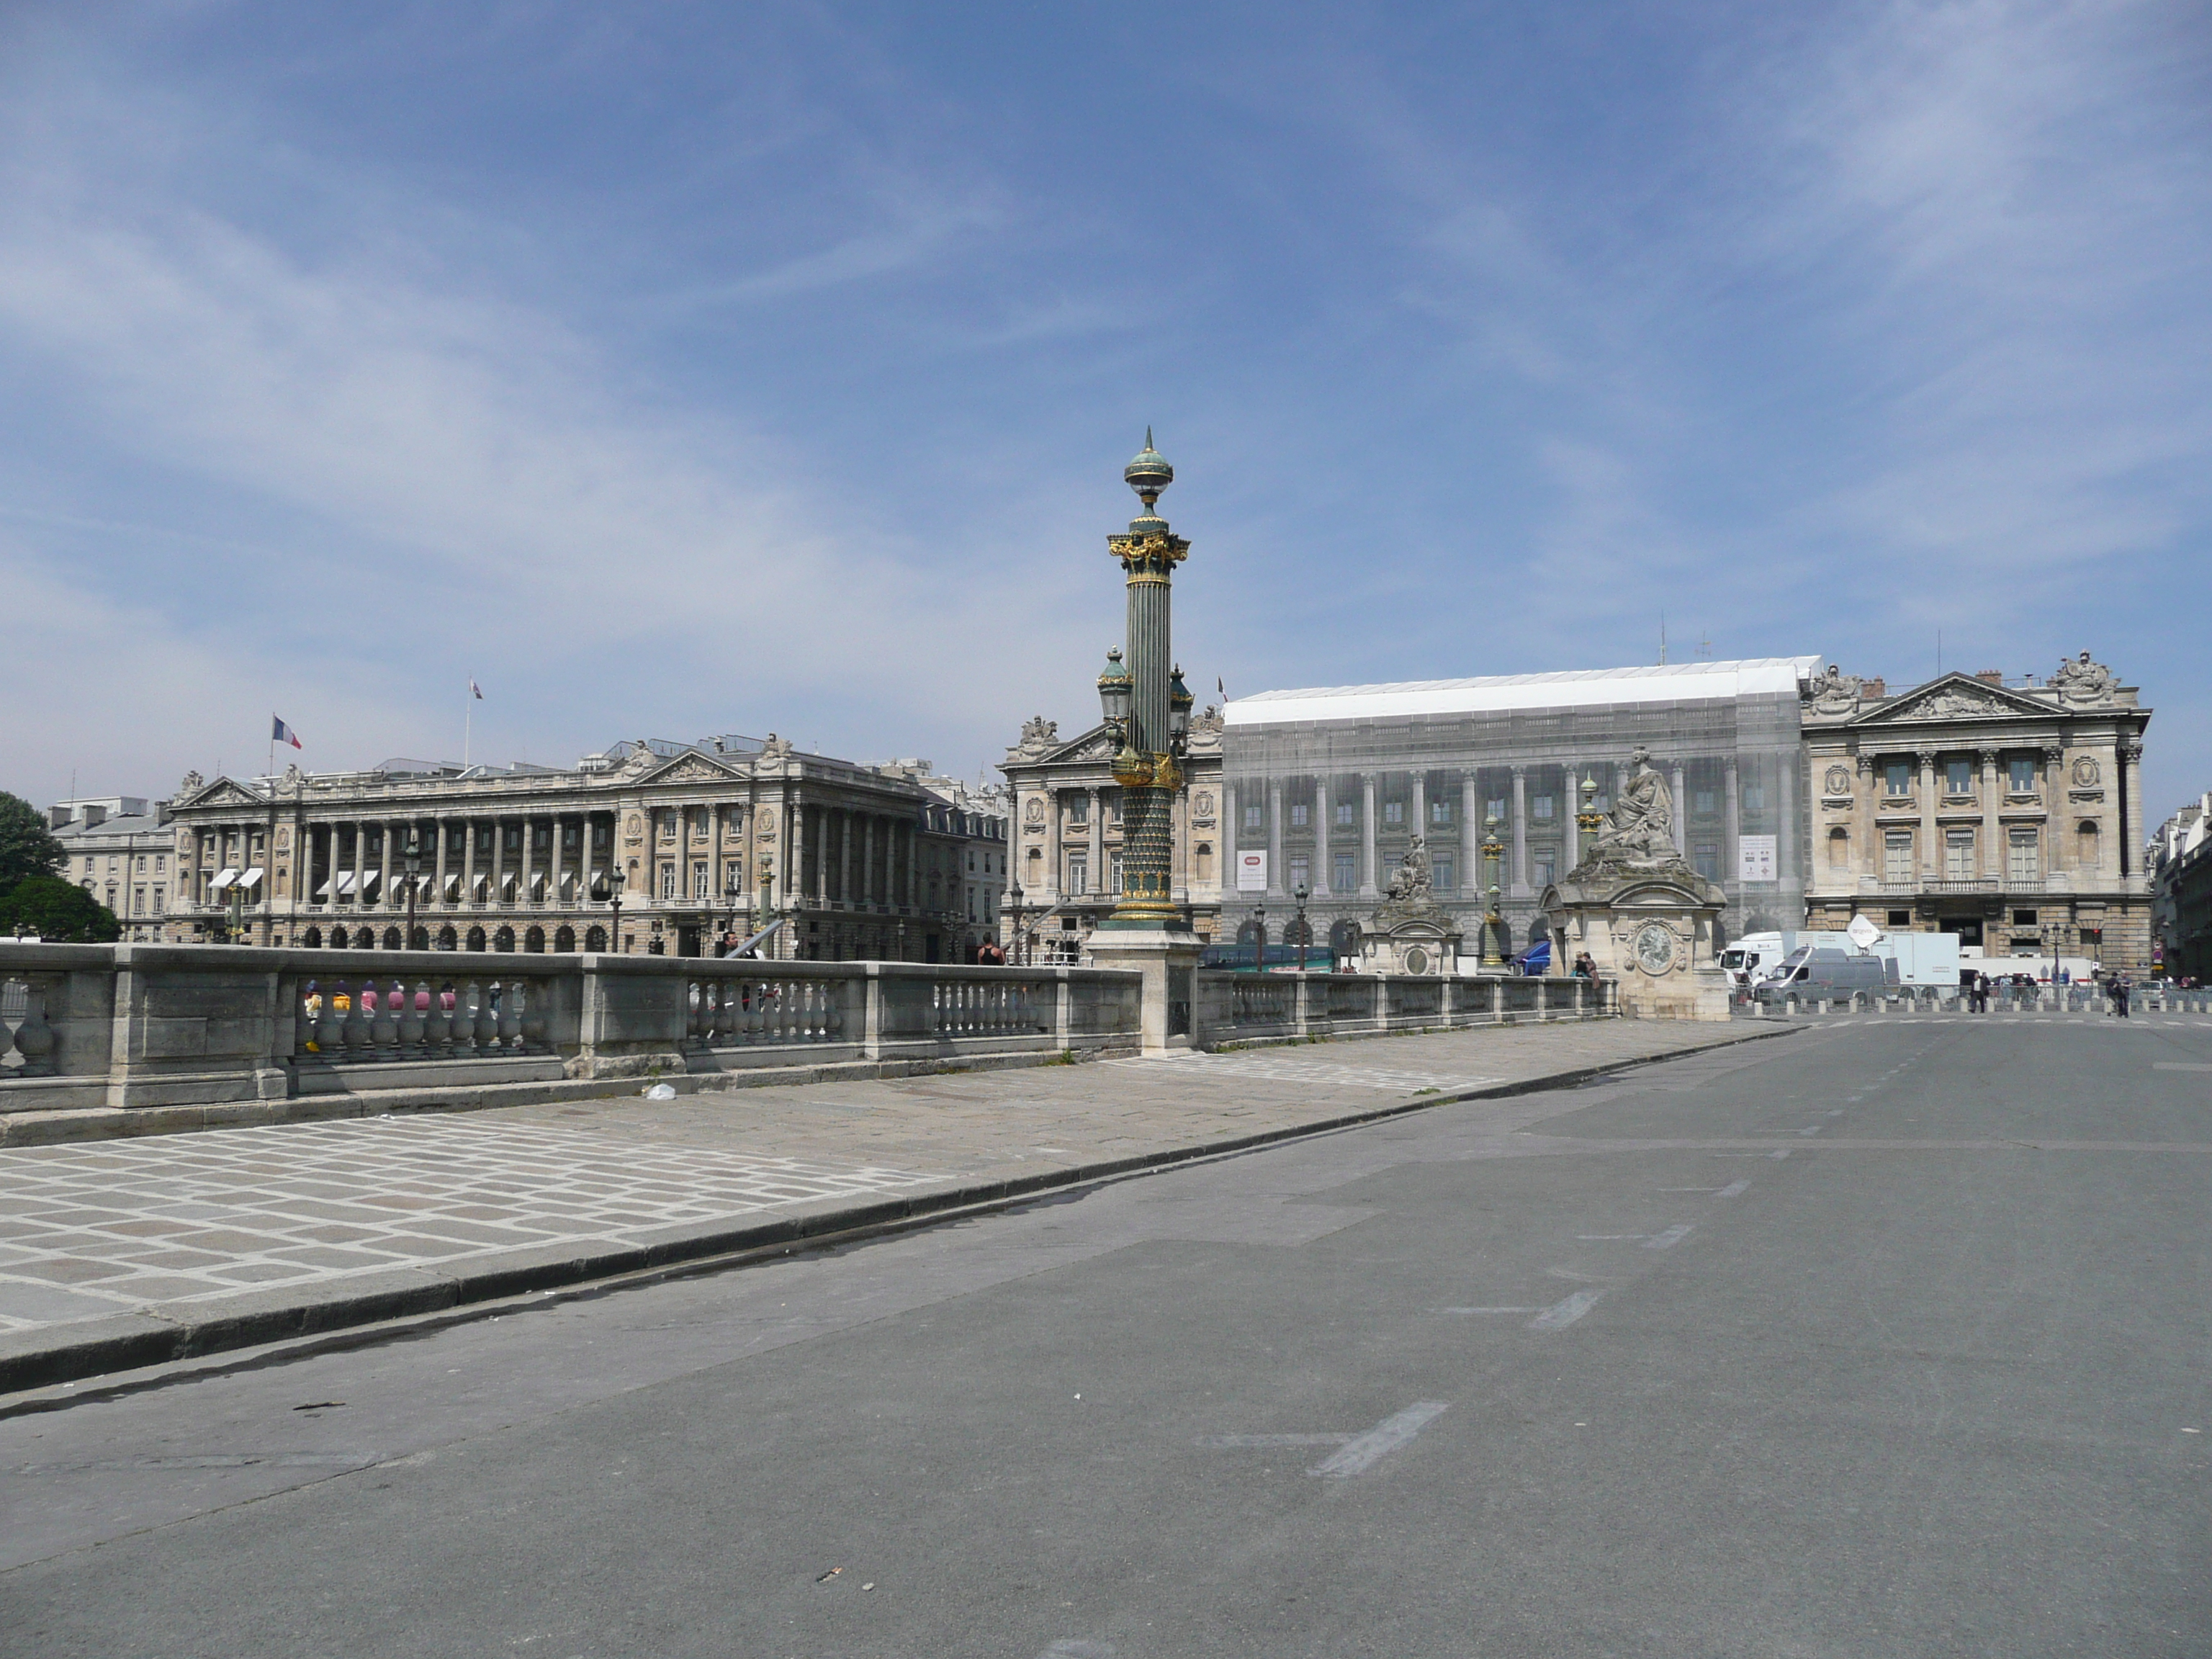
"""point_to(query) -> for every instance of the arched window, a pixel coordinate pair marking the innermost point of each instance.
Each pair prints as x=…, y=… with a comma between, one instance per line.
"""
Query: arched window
x=1839, y=848
x=338, y=938
x=1250, y=934
x=313, y=939
x=534, y=941
x=420, y=941
x=476, y=939
x=503, y=939
x=1344, y=938
x=564, y=940
x=448, y=938
x=595, y=937
x=391, y=939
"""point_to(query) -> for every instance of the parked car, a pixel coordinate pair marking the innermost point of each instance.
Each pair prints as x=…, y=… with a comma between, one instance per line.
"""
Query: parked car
x=1812, y=972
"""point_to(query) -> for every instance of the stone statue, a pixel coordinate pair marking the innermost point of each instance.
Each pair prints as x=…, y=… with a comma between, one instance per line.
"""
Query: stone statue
x=1039, y=734
x=1835, y=692
x=2083, y=682
x=293, y=778
x=1642, y=831
x=1411, y=883
x=193, y=782
x=775, y=748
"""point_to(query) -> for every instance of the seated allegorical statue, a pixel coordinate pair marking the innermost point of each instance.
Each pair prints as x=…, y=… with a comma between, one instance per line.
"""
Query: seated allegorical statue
x=1642, y=829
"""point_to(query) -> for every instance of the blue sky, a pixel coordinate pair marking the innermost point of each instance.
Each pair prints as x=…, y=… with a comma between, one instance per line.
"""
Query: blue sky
x=687, y=368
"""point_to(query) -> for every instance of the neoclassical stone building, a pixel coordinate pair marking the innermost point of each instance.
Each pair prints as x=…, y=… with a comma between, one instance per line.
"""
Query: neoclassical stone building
x=2007, y=813
x=1326, y=789
x=1066, y=810
x=708, y=837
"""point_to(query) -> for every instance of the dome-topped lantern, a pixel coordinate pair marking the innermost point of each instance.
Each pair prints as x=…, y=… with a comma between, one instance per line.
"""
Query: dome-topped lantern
x=1180, y=702
x=1114, y=690
x=1149, y=474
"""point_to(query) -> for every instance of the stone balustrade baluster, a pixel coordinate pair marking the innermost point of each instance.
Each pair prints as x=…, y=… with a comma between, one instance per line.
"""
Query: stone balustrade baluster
x=511, y=999
x=357, y=1028
x=534, y=1028
x=486, y=1027
x=384, y=1026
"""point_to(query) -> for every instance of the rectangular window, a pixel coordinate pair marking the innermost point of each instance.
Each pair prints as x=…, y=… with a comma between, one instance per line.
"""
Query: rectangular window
x=137, y=901
x=2023, y=918
x=1958, y=856
x=1546, y=862
x=1298, y=814
x=161, y=864
x=1754, y=798
x=2023, y=862
x=1440, y=812
x=1079, y=873
x=1114, y=872
x=1897, y=777
x=142, y=864
x=699, y=888
x=1347, y=873
x=1958, y=777
x=1897, y=855
x=667, y=884
x=1704, y=802
x=1497, y=809
x=1079, y=808
x=1900, y=919
x=1706, y=856
x=157, y=901
x=1394, y=812
x=1344, y=812
x=1541, y=808
x=2021, y=770
x=1252, y=819
x=1301, y=871
x=1440, y=873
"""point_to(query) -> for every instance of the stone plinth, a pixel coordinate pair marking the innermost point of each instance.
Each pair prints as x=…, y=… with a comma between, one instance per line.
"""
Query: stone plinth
x=1410, y=939
x=1650, y=927
x=1167, y=957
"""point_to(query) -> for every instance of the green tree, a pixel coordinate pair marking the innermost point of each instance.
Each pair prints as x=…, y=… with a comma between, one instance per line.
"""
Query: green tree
x=27, y=847
x=56, y=910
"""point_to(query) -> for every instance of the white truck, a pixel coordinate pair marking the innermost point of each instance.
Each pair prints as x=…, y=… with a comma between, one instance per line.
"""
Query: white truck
x=1920, y=958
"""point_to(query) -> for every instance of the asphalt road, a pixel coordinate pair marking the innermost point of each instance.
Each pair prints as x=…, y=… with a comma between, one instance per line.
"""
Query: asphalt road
x=1889, y=1338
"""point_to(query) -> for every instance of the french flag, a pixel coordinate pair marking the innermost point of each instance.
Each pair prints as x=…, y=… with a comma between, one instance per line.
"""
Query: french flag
x=280, y=733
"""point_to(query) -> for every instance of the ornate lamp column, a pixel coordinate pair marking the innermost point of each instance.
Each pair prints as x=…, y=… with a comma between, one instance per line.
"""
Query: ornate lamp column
x=1148, y=711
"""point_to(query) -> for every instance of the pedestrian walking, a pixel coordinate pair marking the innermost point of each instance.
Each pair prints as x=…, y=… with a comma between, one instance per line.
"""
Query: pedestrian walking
x=2120, y=988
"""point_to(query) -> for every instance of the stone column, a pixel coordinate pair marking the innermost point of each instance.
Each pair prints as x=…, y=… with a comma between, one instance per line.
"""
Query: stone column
x=440, y=835
x=468, y=860
x=1785, y=856
x=1931, y=854
x=1518, y=881
x=2130, y=801
x=912, y=869
x=1276, y=888
x=845, y=857
x=2056, y=855
x=1470, y=834
x=499, y=860
x=1992, y=861
x=1570, y=841
x=1731, y=829
x=360, y=864
x=383, y=870
x=1052, y=847
x=1421, y=804
x=1367, y=887
x=554, y=870
x=1097, y=875
x=1322, y=872
x=1679, y=780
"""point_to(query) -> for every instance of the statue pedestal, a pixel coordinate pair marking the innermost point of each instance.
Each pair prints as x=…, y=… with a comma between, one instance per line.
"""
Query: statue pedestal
x=1410, y=939
x=1648, y=926
x=1167, y=958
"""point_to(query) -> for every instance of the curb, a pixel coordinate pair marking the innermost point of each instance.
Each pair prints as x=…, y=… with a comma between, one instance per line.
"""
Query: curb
x=430, y=1298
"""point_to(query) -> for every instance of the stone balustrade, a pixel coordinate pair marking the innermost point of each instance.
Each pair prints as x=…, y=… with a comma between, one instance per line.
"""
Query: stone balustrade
x=1236, y=1007
x=140, y=1025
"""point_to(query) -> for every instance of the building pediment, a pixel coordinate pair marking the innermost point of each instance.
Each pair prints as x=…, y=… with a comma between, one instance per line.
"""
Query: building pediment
x=1954, y=697
x=224, y=793
x=691, y=768
x=1095, y=744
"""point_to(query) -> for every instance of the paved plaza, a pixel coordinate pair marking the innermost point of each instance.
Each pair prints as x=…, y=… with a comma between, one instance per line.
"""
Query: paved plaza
x=179, y=1226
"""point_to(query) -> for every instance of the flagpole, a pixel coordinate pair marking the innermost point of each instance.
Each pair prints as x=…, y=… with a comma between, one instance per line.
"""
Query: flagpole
x=468, y=724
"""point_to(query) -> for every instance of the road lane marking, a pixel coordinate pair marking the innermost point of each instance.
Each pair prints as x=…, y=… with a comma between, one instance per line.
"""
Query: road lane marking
x=1218, y=1442
x=1670, y=1238
x=2178, y=1066
x=1722, y=1190
x=1735, y=1189
x=1560, y=1314
x=1489, y=1311
x=1365, y=1451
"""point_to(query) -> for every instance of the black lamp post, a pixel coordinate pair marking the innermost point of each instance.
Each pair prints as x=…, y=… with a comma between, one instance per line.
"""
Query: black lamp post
x=1493, y=850
x=1301, y=930
x=732, y=891
x=1260, y=951
x=412, y=857
x=1021, y=950
x=614, y=897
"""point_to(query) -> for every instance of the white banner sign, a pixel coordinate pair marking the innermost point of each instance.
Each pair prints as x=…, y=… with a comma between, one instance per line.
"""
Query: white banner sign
x=1754, y=858
x=1252, y=873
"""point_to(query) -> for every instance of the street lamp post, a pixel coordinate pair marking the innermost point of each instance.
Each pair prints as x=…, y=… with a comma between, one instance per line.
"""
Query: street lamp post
x=412, y=857
x=1493, y=924
x=1301, y=930
x=614, y=897
x=1021, y=952
x=732, y=891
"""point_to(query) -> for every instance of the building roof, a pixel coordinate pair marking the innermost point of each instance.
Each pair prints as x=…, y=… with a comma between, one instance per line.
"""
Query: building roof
x=1581, y=688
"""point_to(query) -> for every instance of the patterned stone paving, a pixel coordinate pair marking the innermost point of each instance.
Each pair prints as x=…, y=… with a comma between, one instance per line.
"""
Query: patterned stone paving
x=1325, y=1073
x=108, y=1226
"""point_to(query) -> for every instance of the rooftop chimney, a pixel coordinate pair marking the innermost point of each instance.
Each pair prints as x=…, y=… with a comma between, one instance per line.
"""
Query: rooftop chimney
x=1990, y=676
